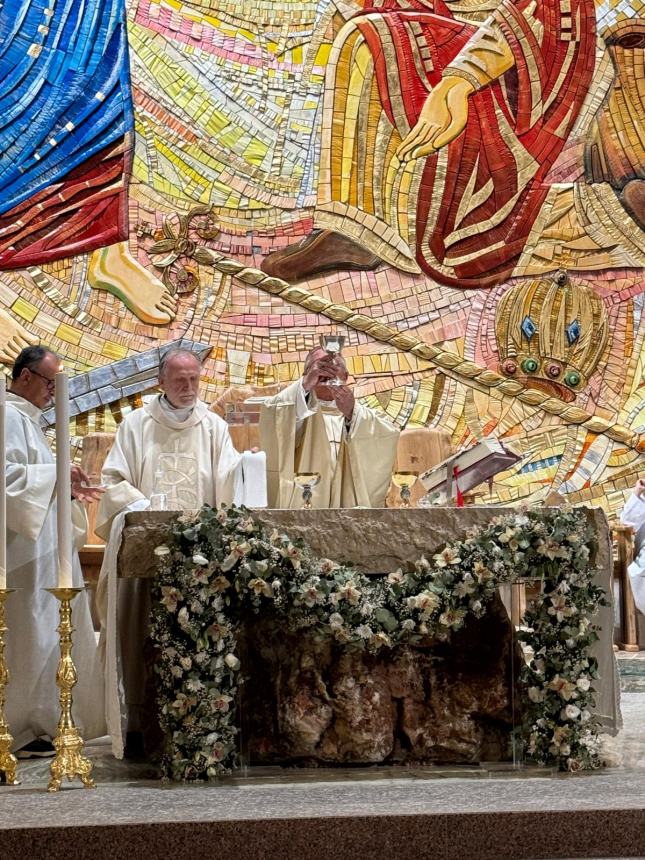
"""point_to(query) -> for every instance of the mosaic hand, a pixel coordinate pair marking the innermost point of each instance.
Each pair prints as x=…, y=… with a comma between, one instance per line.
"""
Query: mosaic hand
x=442, y=118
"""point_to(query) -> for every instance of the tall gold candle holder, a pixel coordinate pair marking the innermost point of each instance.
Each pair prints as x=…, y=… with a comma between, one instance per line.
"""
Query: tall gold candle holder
x=8, y=762
x=68, y=743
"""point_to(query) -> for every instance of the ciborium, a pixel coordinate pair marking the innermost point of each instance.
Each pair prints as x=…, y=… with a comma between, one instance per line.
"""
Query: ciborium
x=68, y=743
x=8, y=762
x=306, y=481
x=404, y=481
x=333, y=345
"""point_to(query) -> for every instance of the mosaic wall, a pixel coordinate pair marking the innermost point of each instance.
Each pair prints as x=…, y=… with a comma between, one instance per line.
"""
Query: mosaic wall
x=160, y=162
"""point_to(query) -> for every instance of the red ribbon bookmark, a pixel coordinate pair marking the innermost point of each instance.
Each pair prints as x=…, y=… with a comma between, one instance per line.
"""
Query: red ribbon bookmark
x=460, y=495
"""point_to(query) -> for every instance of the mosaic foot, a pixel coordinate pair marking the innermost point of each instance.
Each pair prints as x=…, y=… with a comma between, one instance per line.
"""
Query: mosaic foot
x=115, y=270
x=13, y=338
x=321, y=251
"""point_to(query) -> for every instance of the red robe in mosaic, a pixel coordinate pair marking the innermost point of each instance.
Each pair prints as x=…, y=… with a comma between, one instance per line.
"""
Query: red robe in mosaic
x=464, y=213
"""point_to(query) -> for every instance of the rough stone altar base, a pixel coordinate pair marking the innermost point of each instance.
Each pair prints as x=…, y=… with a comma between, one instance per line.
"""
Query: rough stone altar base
x=310, y=701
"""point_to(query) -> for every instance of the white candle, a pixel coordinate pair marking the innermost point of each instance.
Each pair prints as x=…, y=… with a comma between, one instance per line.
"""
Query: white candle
x=3, y=485
x=63, y=483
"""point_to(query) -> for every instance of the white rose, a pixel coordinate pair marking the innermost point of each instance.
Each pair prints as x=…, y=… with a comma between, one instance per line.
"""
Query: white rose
x=232, y=662
x=583, y=684
x=198, y=558
x=571, y=712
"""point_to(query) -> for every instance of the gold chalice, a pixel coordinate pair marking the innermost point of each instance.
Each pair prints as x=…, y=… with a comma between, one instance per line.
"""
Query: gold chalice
x=333, y=345
x=404, y=481
x=306, y=481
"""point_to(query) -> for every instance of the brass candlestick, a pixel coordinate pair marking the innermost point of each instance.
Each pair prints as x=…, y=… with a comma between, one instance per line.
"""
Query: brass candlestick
x=68, y=761
x=8, y=762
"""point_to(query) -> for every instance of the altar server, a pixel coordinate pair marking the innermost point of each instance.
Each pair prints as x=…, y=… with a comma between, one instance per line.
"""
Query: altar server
x=316, y=425
x=176, y=449
x=634, y=515
x=32, y=706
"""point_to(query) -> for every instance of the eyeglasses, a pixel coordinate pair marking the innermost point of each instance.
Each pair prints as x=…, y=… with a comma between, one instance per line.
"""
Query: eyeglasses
x=51, y=383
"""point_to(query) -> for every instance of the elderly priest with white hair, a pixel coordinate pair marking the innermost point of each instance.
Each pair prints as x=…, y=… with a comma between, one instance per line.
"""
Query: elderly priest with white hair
x=173, y=447
x=32, y=706
x=316, y=425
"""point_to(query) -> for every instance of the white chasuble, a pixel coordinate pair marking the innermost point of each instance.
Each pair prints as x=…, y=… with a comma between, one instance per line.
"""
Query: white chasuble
x=355, y=463
x=32, y=706
x=634, y=515
x=195, y=457
x=190, y=458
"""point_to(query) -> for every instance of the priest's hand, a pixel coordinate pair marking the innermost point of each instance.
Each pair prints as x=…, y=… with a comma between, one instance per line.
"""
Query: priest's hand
x=80, y=489
x=639, y=488
x=319, y=372
x=344, y=399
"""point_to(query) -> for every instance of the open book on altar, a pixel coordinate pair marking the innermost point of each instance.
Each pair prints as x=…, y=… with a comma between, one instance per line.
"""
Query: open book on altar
x=468, y=469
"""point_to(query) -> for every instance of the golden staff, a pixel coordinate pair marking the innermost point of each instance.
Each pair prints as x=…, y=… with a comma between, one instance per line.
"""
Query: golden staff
x=468, y=372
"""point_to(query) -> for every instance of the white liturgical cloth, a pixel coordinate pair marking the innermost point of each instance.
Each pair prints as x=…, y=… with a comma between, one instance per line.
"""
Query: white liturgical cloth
x=189, y=457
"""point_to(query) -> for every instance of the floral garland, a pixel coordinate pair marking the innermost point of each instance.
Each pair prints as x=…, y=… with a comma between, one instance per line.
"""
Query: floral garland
x=221, y=564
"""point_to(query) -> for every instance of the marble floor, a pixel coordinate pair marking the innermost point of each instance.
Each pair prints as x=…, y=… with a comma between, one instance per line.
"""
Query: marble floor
x=355, y=813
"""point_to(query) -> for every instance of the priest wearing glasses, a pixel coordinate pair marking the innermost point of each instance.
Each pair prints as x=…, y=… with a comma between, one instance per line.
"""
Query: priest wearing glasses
x=32, y=706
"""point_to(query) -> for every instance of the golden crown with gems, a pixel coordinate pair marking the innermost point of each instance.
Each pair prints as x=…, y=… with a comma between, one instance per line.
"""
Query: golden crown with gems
x=551, y=334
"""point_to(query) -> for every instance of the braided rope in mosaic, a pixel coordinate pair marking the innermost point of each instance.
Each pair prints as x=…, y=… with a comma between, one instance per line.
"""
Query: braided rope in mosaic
x=465, y=371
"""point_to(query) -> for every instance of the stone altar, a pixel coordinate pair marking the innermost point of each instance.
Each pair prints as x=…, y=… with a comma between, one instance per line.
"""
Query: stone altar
x=312, y=702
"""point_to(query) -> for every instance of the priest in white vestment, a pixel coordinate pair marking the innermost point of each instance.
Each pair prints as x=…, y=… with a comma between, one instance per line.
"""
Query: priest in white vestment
x=32, y=706
x=634, y=515
x=175, y=448
x=315, y=426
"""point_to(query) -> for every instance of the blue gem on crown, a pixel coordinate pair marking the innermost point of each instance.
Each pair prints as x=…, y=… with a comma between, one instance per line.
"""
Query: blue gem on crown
x=528, y=327
x=572, y=332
